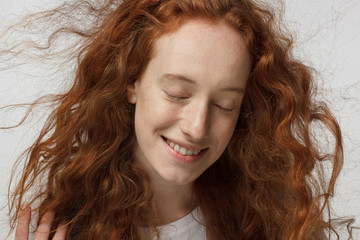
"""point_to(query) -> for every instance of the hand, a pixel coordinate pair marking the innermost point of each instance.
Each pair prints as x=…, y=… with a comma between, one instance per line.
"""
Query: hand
x=43, y=230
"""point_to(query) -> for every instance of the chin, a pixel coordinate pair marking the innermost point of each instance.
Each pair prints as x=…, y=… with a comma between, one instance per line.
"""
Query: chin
x=179, y=179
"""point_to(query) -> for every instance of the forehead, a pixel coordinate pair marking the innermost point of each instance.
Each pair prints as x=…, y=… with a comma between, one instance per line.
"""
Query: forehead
x=202, y=49
x=209, y=35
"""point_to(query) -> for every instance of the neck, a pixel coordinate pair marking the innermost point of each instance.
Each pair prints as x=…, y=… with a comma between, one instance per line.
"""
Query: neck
x=170, y=202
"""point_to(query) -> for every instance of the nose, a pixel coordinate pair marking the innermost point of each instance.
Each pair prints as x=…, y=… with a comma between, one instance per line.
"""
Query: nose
x=196, y=121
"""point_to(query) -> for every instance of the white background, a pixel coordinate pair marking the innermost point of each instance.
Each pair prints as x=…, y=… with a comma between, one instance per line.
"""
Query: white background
x=327, y=38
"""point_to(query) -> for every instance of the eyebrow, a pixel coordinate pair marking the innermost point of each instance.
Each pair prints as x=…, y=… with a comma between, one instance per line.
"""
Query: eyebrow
x=179, y=77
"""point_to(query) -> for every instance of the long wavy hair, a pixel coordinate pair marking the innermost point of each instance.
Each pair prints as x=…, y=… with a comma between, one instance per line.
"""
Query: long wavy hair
x=268, y=184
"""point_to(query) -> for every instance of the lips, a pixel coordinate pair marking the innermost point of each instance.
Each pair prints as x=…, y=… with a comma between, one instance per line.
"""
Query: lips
x=190, y=152
x=182, y=150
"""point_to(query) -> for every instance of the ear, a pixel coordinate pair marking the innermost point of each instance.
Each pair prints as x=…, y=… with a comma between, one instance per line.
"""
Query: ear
x=131, y=93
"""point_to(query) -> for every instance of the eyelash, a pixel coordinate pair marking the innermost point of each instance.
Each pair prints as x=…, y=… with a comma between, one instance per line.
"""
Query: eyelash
x=180, y=98
x=173, y=97
x=226, y=110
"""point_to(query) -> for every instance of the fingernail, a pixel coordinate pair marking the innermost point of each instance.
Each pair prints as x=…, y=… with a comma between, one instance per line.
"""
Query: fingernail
x=24, y=208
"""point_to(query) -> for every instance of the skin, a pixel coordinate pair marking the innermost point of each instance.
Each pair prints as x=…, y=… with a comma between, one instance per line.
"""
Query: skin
x=191, y=94
x=43, y=230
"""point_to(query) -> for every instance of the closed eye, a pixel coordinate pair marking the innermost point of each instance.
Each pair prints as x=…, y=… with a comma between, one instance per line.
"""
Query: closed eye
x=223, y=109
x=175, y=97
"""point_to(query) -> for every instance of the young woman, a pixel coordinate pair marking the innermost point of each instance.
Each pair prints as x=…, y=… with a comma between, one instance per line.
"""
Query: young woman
x=187, y=119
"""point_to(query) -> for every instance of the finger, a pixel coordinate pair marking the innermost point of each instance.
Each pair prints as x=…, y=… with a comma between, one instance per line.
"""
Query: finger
x=60, y=232
x=22, y=228
x=43, y=230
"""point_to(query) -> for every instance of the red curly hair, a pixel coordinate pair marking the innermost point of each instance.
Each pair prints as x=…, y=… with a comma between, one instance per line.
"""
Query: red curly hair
x=268, y=184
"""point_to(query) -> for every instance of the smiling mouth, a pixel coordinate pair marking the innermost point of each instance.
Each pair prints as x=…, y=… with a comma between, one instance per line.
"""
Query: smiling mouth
x=182, y=150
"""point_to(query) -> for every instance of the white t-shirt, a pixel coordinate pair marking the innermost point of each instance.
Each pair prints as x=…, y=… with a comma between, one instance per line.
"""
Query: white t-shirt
x=185, y=228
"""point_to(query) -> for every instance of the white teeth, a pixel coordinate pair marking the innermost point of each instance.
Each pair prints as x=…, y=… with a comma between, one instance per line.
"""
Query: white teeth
x=177, y=148
x=182, y=150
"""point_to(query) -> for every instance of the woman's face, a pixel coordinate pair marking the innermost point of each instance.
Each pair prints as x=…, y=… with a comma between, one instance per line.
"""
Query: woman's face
x=188, y=100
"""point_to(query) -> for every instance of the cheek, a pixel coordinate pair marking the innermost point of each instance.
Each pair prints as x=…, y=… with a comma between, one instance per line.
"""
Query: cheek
x=154, y=111
x=224, y=131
